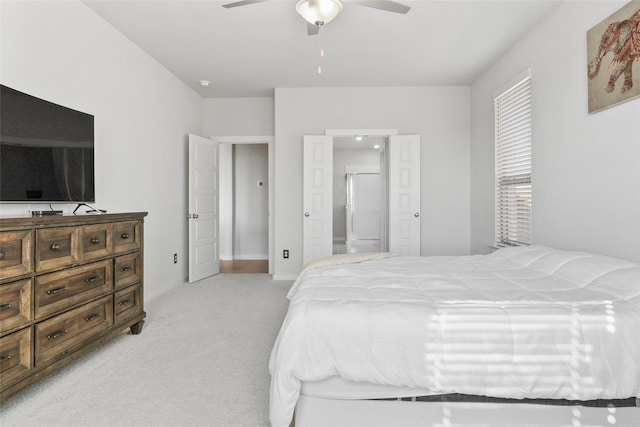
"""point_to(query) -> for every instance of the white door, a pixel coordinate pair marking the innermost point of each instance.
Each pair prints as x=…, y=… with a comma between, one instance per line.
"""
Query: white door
x=404, y=194
x=203, y=208
x=317, y=197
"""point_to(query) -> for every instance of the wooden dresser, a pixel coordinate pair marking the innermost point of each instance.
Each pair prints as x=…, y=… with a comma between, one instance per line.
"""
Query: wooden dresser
x=67, y=284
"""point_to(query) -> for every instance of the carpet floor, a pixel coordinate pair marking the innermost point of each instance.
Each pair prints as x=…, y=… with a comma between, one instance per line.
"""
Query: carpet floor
x=201, y=360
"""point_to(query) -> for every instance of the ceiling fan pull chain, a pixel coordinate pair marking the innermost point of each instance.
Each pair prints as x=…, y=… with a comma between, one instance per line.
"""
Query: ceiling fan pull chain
x=321, y=53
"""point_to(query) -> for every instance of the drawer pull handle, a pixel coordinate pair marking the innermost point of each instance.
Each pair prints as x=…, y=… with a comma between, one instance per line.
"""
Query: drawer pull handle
x=125, y=302
x=125, y=235
x=3, y=254
x=92, y=317
x=56, y=334
x=92, y=279
x=56, y=247
x=95, y=241
x=4, y=357
x=126, y=268
x=4, y=307
x=56, y=290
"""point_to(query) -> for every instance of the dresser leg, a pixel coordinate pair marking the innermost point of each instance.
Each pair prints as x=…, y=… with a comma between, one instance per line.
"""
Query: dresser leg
x=136, y=328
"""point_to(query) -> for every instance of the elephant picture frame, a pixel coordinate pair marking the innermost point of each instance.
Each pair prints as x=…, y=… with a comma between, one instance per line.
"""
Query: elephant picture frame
x=613, y=58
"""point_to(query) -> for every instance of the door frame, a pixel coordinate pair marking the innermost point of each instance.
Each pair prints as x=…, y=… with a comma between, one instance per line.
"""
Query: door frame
x=361, y=132
x=270, y=141
x=387, y=133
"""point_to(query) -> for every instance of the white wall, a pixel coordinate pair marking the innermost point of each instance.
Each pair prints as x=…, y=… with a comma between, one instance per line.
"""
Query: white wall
x=63, y=52
x=251, y=202
x=238, y=116
x=440, y=115
x=586, y=168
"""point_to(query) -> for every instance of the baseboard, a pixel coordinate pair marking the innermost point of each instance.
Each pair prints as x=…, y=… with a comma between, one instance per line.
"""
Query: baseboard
x=284, y=277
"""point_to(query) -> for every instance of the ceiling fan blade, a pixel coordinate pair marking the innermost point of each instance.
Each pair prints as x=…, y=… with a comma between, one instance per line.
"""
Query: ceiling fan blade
x=312, y=29
x=242, y=3
x=388, y=5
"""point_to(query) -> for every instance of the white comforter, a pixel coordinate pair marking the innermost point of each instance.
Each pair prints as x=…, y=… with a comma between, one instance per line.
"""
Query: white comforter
x=529, y=322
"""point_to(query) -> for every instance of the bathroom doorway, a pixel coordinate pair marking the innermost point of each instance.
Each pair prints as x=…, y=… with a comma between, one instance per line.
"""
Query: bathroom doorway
x=400, y=172
x=359, y=195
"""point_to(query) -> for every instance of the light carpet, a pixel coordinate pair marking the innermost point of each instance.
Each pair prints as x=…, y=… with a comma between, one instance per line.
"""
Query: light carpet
x=201, y=360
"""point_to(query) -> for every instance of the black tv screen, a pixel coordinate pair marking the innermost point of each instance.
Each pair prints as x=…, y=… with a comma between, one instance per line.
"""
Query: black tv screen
x=46, y=151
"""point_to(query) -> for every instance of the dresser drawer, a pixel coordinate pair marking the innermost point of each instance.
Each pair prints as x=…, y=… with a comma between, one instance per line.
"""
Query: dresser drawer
x=128, y=303
x=128, y=270
x=97, y=241
x=57, y=247
x=15, y=253
x=15, y=304
x=126, y=236
x=56, y=291
x=72, y=329
x=15, y=355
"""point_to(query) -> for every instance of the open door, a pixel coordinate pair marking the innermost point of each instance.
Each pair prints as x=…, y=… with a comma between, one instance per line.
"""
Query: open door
x=404, y=194
x=317, y=197
x=203, y=208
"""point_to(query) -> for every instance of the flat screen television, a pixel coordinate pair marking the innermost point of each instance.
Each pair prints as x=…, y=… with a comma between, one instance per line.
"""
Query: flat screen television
x=46, y=151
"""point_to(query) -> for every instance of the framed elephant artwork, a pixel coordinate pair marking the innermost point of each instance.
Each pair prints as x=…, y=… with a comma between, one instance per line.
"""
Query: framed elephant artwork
x=613, y=55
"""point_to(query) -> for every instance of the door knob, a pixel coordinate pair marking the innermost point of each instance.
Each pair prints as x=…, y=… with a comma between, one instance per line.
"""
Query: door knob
x=416, y=214
x=307, y=214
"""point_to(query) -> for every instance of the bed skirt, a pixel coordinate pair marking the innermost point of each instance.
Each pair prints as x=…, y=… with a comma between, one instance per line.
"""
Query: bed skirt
x=456, y=411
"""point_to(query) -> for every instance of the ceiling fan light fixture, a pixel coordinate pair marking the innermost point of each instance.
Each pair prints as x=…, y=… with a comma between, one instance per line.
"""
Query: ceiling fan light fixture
x=319, y=12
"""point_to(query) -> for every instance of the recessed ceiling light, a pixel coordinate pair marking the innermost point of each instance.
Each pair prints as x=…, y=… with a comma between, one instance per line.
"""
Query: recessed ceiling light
x=376, y=146
x=358, y=138
x=205, y=83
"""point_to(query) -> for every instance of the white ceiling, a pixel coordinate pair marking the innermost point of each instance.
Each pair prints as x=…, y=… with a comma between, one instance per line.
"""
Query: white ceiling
x=248, y=51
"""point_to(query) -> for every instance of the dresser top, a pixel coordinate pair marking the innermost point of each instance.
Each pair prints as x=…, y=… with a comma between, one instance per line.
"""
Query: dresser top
x=22, y=222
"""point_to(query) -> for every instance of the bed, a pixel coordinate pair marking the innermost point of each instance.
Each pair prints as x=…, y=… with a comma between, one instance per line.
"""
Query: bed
x=521, y=323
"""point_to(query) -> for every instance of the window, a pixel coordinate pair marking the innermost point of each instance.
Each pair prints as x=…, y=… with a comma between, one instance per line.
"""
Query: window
x=513, y=163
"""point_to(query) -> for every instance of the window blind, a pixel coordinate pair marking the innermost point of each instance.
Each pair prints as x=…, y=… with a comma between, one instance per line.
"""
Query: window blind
x=513, y=165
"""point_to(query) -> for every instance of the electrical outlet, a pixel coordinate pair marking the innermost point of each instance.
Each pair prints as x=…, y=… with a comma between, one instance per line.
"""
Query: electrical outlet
x=175, y=258
x=285, y=253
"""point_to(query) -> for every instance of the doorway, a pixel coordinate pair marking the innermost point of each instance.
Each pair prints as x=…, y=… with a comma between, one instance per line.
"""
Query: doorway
x=401, y=162
x=359, y=195
x=244, y=208
x=246, y=201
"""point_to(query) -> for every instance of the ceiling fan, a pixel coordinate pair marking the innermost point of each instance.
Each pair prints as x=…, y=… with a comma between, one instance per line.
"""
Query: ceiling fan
x=320, y=12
